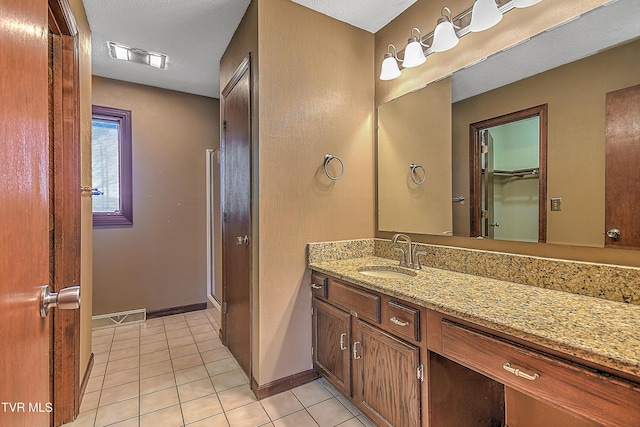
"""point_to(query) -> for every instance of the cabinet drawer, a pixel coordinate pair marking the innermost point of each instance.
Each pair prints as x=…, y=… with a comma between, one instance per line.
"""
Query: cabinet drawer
x=607, y=400
x=319, y=286
x=359, y=303
x=403, y=321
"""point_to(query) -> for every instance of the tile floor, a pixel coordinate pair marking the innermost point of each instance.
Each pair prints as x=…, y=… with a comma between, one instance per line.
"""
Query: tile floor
x=174, y=371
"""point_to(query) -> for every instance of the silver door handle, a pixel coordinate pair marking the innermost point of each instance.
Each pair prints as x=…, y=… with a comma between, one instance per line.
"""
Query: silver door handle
x=355, y=350
x=66, y=299
x=614, y=234
x=242, y=240
x=342, y=337
x=395, y=320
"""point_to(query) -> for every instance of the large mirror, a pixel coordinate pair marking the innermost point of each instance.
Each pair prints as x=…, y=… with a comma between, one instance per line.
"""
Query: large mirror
x=571, y=69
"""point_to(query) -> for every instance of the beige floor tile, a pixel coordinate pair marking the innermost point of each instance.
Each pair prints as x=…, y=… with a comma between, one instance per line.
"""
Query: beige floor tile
x=221, y=366
x=117, y=412
x=119, y=393
x=176, y=325
x=154, y=347
x=348, y=405
x=229, y=380
x=311, y=393
x=149, y=331
x=98, y=370
x=207, y=336
x=152, y=323
x=121, y=377
x=181, y=341
x=297, y=419
x=168, y=417
x=211, y=344
x=155, y=369
x=103, y=332
x=365, y=422
x=195, y=390
x=191, y=374
x=353, y=422
x=101, y=340
x=85, y=419
x=219, y=420
x=187, y=362
x=150, y=339
x=176, y=318
x=236, y=397
x=124, y=353
x=281, y=405
x=131, y=422
x=185, y=350
x=199, y=329
x=326, y=384
x=158, y=400
x=201, y=408
x=197, y=321
x=178, y=333
x=100, y=358
x=123, y=364
x=217, y=354
x=329, y=413
x=119, y=345
x=151, y=358
x=248, y=416
x=101, y=348
x=123, y=336
x=157, y=383
x=94, y=384
x=90, y=401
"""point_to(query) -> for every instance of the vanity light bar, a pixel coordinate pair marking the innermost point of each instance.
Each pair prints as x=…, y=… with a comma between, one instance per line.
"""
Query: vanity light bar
x=139, y=56
x=461, y=21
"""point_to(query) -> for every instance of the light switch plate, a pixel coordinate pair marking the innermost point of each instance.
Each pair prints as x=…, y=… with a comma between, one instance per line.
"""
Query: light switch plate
x=556, y=204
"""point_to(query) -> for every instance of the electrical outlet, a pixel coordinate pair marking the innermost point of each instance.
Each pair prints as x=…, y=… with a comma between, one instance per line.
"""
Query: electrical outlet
x=556, y=204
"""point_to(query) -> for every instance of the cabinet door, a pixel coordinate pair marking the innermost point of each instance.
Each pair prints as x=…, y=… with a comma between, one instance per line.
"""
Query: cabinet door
x=331, y=335
x=386, y=387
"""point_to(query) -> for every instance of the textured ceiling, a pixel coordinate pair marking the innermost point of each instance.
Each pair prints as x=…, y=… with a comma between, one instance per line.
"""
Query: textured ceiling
x=193, y=33
x=370, y=15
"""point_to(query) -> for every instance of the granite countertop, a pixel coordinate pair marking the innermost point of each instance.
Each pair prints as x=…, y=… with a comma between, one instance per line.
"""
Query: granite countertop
x=604, y=332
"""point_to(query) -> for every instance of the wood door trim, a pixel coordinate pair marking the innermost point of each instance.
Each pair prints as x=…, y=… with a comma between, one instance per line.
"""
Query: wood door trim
x=475, y=184
x=65, y=378
x=283, y=384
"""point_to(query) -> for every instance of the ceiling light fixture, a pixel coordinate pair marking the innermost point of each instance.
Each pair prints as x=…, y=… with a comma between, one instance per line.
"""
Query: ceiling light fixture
x=444, y=36
x=139, y=56
x=413, y=53
x=390, y=69
x=485, y=15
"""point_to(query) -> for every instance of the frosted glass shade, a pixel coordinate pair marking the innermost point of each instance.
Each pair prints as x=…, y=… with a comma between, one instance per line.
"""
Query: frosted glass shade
x=525, y=3
x=444, y=37
x=390, y=69
x=485, y=15
x=413, y=54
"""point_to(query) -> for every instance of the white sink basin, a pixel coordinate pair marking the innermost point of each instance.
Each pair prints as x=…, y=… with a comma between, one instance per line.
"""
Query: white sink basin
x=387, y=272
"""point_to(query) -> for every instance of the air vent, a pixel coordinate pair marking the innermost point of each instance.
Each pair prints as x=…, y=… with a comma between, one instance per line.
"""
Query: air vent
x=116, y=319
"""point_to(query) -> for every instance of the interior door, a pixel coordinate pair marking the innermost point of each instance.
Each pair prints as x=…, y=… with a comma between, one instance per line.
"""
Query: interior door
x=488, y=209
x=622, y=157
x=24, y=235
x=236, y=228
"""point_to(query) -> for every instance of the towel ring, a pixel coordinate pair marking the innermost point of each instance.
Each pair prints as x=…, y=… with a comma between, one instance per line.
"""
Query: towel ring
x=413, y=174
x=327, y=160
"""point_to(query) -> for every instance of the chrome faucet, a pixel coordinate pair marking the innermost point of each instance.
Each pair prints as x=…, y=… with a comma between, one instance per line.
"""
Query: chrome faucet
x=408, y=255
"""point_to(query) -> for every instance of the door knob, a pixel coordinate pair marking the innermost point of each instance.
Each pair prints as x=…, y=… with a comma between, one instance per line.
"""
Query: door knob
x=66, y=299
x=242, y=240
x=614, y=234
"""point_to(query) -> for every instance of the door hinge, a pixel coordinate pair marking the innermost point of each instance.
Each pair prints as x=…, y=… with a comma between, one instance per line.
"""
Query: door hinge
x=224, y=216
x=224, y=126
x=312, y=350
x=484, y=214
x=484, y=149
x=50, y=75
x=420, y=373
x=224, y=308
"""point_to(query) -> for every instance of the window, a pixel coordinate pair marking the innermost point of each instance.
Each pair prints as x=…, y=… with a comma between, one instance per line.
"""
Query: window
x=111, y=166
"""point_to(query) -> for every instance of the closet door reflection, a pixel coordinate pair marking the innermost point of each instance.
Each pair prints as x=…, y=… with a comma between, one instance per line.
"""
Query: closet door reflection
x=508, y=177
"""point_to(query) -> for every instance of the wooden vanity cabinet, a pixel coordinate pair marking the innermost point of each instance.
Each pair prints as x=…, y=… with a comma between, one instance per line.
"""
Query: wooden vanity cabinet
x=373, y=360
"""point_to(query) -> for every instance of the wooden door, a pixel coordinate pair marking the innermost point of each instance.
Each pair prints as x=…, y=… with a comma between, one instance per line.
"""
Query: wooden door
x=236, y=217
x=24, y=235
x=622, y=166
x=385, y=381
x=331, y=345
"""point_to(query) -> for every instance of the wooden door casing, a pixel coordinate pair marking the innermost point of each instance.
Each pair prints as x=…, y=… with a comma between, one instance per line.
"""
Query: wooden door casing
x=622, y=157
x=331, y=345
x=386, y=387
x=236, y=217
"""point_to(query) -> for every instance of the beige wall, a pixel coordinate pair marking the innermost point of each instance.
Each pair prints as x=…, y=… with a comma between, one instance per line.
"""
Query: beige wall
x=84, y=59
x=575, y=94
x=516, y=26
x=160, y=261
x=309, y=105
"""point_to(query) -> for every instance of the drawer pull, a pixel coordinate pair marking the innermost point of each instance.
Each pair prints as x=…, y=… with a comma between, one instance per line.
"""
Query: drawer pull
x=314, y=286
x=395, y=320
x=342, y=337
x=355, y=350
x=518, y=373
